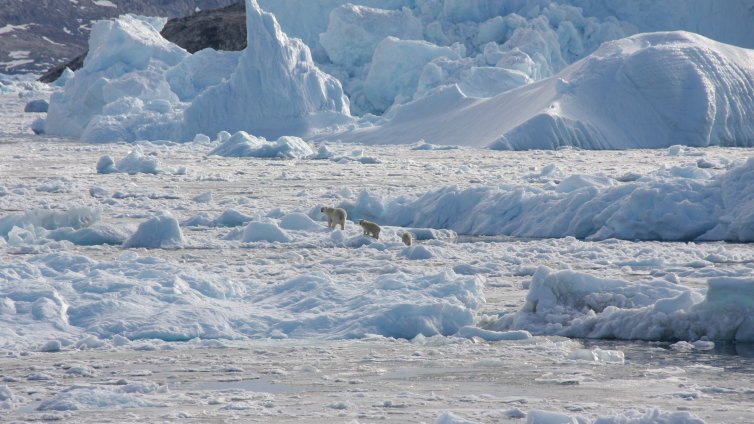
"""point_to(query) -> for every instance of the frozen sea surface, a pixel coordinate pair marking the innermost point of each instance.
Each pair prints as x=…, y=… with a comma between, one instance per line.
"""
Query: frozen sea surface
x=54, y=367
x=378, y=381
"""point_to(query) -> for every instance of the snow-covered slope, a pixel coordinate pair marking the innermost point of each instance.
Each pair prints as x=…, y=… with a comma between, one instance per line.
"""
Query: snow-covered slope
x=646, y=91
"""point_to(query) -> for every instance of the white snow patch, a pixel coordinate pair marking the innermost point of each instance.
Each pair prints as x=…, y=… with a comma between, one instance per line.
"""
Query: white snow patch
x=104, y=3
x=8, y=28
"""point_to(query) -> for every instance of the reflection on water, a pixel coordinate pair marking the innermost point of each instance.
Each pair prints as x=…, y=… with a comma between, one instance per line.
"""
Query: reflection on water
x=745, y=350
x=728, y=355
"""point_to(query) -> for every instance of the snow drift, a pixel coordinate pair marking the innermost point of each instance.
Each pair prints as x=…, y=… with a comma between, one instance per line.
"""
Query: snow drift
x=646, y=91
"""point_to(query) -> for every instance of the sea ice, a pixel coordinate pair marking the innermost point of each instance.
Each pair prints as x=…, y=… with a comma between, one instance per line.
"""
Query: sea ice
x=242, y=144
x=161, y=231
x=596, y=208
x=581, y=305
x=94, y=397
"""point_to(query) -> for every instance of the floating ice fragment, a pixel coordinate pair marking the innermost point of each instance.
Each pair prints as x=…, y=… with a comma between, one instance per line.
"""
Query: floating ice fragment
x=257, y=231
x=159, y=232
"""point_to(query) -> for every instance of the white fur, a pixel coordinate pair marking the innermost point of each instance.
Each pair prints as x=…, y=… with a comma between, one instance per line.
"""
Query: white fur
x=407, y=238
x=335, y=217
x=370, y=228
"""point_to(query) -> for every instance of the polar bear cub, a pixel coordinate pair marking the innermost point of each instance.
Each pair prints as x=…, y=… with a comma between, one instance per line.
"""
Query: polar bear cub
x=407, y=238
x=370, y=228
x=335, y=217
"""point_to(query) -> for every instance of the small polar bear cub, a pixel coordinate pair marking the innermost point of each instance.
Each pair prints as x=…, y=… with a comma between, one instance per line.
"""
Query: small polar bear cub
x=407, y=238
x=370, y=228
x=335, y=217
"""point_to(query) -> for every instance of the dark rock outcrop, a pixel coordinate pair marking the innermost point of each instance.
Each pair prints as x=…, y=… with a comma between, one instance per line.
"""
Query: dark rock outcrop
x=220, y=29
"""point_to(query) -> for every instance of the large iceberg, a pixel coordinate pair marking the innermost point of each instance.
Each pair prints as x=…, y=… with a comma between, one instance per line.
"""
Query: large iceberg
x=276, y=89
x=507, y=75
x=537, y=37
x=121, y=85
x=365, y=27
x=646, y=91
x=137, y=85
x=726, y=21
x=307, y=19
x=397, y=67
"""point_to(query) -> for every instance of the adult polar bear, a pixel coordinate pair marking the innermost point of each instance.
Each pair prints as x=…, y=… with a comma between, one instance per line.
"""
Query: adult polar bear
x=335, y=217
